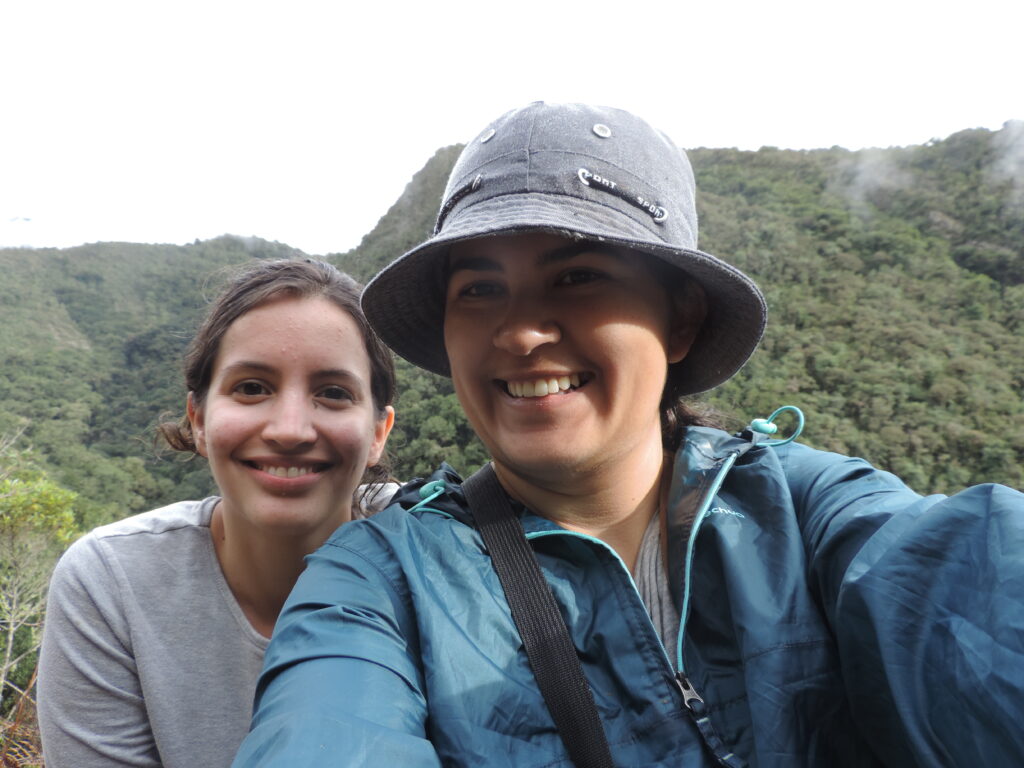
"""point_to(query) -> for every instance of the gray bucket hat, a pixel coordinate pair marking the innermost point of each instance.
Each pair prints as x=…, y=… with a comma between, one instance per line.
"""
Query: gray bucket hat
x=583, y=172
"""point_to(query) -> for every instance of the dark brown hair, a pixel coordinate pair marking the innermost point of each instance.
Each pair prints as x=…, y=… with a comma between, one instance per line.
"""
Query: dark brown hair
x=255, y=285
x=679, y=413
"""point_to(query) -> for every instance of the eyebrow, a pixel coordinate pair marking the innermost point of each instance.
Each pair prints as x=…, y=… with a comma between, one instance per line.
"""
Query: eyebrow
x=572, y=250
x=248, y=365
x=553, y=256
x=254, y=365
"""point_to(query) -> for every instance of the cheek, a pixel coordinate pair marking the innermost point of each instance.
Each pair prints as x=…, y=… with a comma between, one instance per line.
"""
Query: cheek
x=635, y=359
x=470, y=393
x=353, y=439
x=466, y=335
x=451, y=348
x=460, y=364
x=630, y=338
x=224, y=431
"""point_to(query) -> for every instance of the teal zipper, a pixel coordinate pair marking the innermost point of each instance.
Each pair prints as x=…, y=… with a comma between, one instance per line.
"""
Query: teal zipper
x=697, y=521
x=595, y=540
x=688, y=692
x=692, y=701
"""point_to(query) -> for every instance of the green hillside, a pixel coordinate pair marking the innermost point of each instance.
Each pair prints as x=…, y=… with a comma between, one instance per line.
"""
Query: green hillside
x=895, y=281
x=91, y=340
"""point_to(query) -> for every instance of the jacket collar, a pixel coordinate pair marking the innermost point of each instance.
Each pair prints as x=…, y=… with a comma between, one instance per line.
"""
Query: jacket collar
x=696, y=463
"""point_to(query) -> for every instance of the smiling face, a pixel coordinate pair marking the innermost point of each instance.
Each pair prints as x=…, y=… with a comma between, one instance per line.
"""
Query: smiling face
x=288, y=424
x=559, y=350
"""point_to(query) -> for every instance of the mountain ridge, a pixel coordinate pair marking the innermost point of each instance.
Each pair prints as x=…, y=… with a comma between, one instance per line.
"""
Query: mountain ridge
x=895, y=281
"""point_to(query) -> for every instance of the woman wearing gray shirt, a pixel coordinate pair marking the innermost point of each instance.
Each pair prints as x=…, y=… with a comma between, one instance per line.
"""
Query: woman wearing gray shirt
x=157, y=624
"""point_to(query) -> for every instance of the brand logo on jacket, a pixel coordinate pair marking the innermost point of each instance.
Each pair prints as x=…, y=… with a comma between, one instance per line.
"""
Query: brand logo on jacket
x=726, y=511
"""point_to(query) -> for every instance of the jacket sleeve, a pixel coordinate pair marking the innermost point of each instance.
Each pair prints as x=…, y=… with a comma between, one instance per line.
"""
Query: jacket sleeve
x=925, y=596
x=342, y=684
x=91, y=709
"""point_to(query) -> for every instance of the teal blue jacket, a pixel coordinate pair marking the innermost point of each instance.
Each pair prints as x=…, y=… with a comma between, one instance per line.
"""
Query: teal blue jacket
x=830, y=617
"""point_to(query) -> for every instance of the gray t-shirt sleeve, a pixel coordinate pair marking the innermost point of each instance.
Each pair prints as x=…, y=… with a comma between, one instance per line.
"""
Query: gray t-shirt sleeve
x=147, y=658
x=91, y=708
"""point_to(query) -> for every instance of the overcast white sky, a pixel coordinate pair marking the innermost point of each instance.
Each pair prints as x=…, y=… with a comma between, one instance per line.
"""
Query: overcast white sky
x=303, y=121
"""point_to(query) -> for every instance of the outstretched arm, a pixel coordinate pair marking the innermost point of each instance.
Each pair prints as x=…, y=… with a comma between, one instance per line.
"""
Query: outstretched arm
x=925, y=596
x=342, y=682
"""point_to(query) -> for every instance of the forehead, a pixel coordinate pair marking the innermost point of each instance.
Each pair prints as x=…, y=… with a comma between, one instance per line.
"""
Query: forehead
x=525, y=251
x=535, y=251
x=288, y=329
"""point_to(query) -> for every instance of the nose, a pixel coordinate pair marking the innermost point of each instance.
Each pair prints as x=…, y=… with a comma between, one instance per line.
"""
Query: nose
x=527, y=325
x=290, y=423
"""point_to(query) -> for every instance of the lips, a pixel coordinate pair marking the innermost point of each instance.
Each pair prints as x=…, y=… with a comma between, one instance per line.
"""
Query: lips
x=543, y=386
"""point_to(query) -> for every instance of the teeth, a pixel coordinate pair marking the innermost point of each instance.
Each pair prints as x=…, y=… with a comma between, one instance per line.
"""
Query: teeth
x=542, y=387
x=286, y=471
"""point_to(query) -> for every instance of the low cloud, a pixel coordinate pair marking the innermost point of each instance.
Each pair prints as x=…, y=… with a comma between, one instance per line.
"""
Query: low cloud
x=1008, y=165
x=866, y=172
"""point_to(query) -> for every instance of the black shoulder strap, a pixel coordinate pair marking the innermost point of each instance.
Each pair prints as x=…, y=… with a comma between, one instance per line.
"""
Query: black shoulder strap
x=546, y=638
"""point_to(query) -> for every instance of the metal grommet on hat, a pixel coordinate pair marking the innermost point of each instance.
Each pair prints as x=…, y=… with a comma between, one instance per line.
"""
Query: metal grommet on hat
x=547, y=175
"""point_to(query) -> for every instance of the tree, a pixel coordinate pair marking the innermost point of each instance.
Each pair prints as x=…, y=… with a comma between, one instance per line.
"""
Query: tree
x=36, y=524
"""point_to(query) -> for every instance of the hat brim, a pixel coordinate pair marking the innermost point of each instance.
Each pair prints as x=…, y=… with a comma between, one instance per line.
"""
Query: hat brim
x=405, y=301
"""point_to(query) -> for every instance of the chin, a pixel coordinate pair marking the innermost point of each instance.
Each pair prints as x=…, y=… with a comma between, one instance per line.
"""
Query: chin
x=537, y=463
x=286, y=521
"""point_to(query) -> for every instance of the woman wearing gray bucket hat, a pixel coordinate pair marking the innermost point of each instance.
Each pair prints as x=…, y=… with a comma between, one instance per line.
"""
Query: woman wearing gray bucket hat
x=625, y=584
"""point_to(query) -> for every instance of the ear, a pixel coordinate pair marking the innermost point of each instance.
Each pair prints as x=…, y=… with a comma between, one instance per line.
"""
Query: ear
x=689, y=308
x=197, y=421
x=680, y=341
x=381, y=430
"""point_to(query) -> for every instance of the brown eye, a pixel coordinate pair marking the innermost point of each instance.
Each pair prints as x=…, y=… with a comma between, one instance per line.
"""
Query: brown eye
x=251, y=389
x=335, y=393
x=579, y=276
x=480, y=289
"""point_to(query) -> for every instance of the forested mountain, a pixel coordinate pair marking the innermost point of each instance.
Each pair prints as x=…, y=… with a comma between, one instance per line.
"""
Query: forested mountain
x=895, y=281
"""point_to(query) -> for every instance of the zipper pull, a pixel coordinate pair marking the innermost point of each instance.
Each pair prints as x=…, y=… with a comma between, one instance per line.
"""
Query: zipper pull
x=691, y=698
x=723, y=755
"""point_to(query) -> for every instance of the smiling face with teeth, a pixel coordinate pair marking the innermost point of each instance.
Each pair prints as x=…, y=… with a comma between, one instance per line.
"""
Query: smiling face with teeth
x=289, y=423
x=559, y=351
